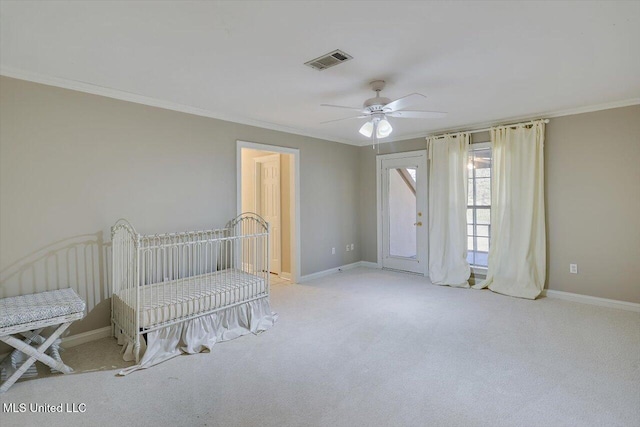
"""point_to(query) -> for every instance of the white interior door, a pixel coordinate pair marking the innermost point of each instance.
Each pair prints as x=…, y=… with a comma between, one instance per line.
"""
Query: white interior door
x=403, y=209
x=268, y=204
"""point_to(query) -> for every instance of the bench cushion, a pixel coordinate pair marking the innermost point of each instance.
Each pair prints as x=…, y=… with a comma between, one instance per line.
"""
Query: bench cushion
x=40, y=306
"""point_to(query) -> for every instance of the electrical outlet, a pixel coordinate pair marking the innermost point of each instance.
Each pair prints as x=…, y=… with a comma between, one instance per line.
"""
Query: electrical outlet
x=352, y=246
x=573, y=268
x=347, y=248
x=333, y=251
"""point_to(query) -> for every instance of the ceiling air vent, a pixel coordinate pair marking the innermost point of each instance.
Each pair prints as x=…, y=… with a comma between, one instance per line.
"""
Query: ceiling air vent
x=329, y=60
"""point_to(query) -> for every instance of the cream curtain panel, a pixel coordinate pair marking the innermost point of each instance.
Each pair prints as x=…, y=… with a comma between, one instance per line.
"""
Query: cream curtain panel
x=448, y=158
x=517, y=255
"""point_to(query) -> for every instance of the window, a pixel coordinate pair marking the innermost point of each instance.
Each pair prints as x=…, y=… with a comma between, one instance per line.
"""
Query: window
x=479, y=205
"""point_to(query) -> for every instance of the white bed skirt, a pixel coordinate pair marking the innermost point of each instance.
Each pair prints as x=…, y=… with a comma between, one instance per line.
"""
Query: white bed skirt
x=199, y=334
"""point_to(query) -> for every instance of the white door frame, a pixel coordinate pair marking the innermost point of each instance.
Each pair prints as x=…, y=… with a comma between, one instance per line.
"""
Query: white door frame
x=379, y=207
x=257, y=162
x=295, y=190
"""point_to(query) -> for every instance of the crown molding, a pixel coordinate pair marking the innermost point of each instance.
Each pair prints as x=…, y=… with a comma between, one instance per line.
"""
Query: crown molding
x=159, y=103
x=548, y=115
x=593, y=108
x=174, y=106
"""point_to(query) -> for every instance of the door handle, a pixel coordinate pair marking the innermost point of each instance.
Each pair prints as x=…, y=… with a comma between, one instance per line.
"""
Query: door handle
x=419, y=223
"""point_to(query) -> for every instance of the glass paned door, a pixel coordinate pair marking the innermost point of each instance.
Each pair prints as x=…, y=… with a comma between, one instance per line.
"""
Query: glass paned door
x=403, y=211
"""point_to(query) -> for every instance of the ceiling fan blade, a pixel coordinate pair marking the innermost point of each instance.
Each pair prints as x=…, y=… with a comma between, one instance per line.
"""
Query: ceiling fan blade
x=345, y=118
x=411, y=114
x=341, y=106
x=404, y=102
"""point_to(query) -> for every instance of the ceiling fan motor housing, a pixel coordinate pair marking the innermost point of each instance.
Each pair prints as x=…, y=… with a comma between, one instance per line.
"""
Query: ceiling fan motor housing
x=376, y=116
x=375, y=104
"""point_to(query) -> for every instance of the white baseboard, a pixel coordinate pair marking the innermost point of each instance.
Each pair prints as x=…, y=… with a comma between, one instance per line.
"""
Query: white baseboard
x=567, y=296
x=324, y=273
x=285, y=275
x=85, y=337
x=586, y=299
x=368, y=264
x=77, y=339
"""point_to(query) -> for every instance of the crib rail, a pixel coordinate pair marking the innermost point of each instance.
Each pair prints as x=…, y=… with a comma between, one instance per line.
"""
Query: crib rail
x=163, y=279
x=124, y=247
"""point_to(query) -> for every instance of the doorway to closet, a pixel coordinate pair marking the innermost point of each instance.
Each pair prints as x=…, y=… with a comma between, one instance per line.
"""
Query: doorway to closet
x=267, y=178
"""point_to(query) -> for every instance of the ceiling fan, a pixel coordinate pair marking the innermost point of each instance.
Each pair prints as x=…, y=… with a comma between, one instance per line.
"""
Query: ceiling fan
x=378, y=109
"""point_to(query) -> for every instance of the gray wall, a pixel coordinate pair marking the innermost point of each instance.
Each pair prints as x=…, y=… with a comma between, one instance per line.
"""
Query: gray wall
x=592, y=185
x=71, y=164
x=592, y=181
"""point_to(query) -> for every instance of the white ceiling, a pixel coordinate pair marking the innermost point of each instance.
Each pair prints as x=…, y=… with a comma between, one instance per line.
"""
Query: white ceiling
x=242, y=61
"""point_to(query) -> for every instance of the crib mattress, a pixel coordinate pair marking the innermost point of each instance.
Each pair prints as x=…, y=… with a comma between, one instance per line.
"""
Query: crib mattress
x=174, y=299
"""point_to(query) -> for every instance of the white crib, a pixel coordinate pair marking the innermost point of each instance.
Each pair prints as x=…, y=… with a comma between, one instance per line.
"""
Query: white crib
x=165, y=279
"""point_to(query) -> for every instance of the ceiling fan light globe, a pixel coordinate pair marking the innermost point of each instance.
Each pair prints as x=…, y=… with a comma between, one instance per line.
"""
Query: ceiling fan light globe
x=367, y=129
x=384, y=128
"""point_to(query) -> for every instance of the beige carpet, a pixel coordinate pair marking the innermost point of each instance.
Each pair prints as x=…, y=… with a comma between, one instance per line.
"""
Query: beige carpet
x=373, y=348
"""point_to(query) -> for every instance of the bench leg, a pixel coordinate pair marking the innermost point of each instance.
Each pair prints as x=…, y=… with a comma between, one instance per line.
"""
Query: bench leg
x=36, y=338
x=32, y=335
x=35, y=354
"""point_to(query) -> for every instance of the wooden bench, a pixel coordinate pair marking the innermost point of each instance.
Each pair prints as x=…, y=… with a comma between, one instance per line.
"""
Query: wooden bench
x=27, y=316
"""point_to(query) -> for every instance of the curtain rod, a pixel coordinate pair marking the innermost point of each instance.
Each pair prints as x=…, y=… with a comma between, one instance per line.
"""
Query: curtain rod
x=488, y=129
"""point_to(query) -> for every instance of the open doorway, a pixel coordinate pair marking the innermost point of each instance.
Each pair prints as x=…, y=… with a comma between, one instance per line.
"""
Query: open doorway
x=267, y=178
